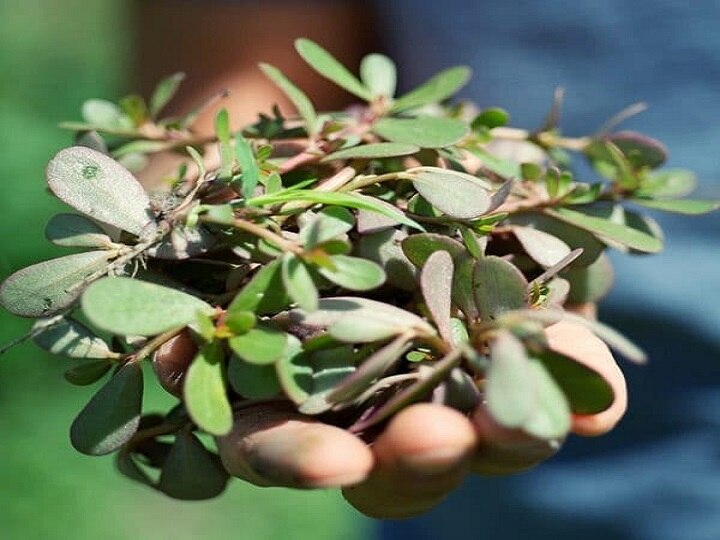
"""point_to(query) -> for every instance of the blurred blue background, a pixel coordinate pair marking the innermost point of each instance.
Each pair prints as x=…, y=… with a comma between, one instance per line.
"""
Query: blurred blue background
x=656, y=477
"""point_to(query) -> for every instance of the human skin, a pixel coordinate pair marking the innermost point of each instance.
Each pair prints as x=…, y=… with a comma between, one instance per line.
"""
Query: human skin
x=424, y=452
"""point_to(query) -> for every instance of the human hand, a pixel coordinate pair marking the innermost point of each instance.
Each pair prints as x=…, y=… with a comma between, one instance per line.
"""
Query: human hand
x=424, y=453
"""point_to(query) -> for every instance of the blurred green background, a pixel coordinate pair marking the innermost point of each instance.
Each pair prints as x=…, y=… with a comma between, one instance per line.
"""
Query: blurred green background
x=53, y=55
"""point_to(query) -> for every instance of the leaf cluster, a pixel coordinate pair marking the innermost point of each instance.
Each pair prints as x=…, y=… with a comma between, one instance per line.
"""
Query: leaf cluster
x=349, y=262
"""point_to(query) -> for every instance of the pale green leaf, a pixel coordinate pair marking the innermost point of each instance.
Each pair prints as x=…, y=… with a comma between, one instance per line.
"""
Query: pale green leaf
x=373, y=151
x=667, y=184
x=327, y=66
x=379, y=75
x=260, y=345
x=509, y=389
x=354, y=273
x=101, y=188
x=545, y=249
x=204, y=391
x=248, y=165
x=436, y=280
x=71, y=338
x=73, y=230
x=128, y=306
x=298, y=98
x=299, y=283
x=499, y=286
x=45, y=288
x=436, y=89
x=456, y=195
x=164, y=92
x=550, y=417
x=691, y=207
x=329, y=223
x=253, y=381
x=423, y=131
x=104, y=114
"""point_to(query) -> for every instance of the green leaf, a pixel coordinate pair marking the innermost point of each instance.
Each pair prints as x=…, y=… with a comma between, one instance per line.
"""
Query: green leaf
x=463, y=295
x=298, y=98
x=419, y=247
x=204, y=391
x=667, y=184
x=191, y=472
x=240, y=322
x=73, y=339
x=456, y=195
x=491, y=118
x=334, y=199
x=262, y=288
x=586, y=391
x=105, y=115
x=142, y=147
x=423, y=131
x=509, y=389
x=691, y=207
x=329, y=223
x=545, y=249
x=87, y=373
x=128, y=306
x=373, y=151
x=550, y=417
x=499, y=286
x=640, y=150
x=591, y=283
x=112, y=416
x=327, y=66
x=436, y=280
x=384, y=248
x=359, y=320
x=294, y=372
x=604, y=228
x=354, y=273
x=73, y=230
x=227, y=157
x=438, y=88
x=261, y=345
x=101, y=188
x=573, y=236
x=379, y=75
x=45, y=288
x=299, y=283
x=164, y=92
x=246, y=159
x=253, y=381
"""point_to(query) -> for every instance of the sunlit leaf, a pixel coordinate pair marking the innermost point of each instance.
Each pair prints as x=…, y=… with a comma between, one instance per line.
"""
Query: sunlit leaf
x=132, y=307
x=374, y=151
x=164, y=92
x=298, y=282
x=623, y=234
x=69, y=337
x=105, y=115
x=191, y=472
x=73, y=230
x=423, y=131
x=329, y=223
x=419, y=247
x=227, y=156
x=691, y=207
x=667, y=183
x=379, y=75
x=436, y=280
x=327, y=66
x=509, y=389
x=456, y=195
x=354, y=273
x=246, y=159
x=543, y=248
x=260, y=345
x=101, y=188
x=112, y=416
x=45, y=288
x=436, y=89
x=264, y=292
x=204, y=391
x=499, y=286
x=298, y=98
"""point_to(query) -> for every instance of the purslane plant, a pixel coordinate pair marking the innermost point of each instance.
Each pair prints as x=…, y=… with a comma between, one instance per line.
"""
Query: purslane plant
x=350, y=262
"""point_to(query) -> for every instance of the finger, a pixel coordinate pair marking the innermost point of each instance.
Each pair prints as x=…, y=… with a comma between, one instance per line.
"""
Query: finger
x=423, y=454
x=579, y=343
x=276, y=446
x=502, y=450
